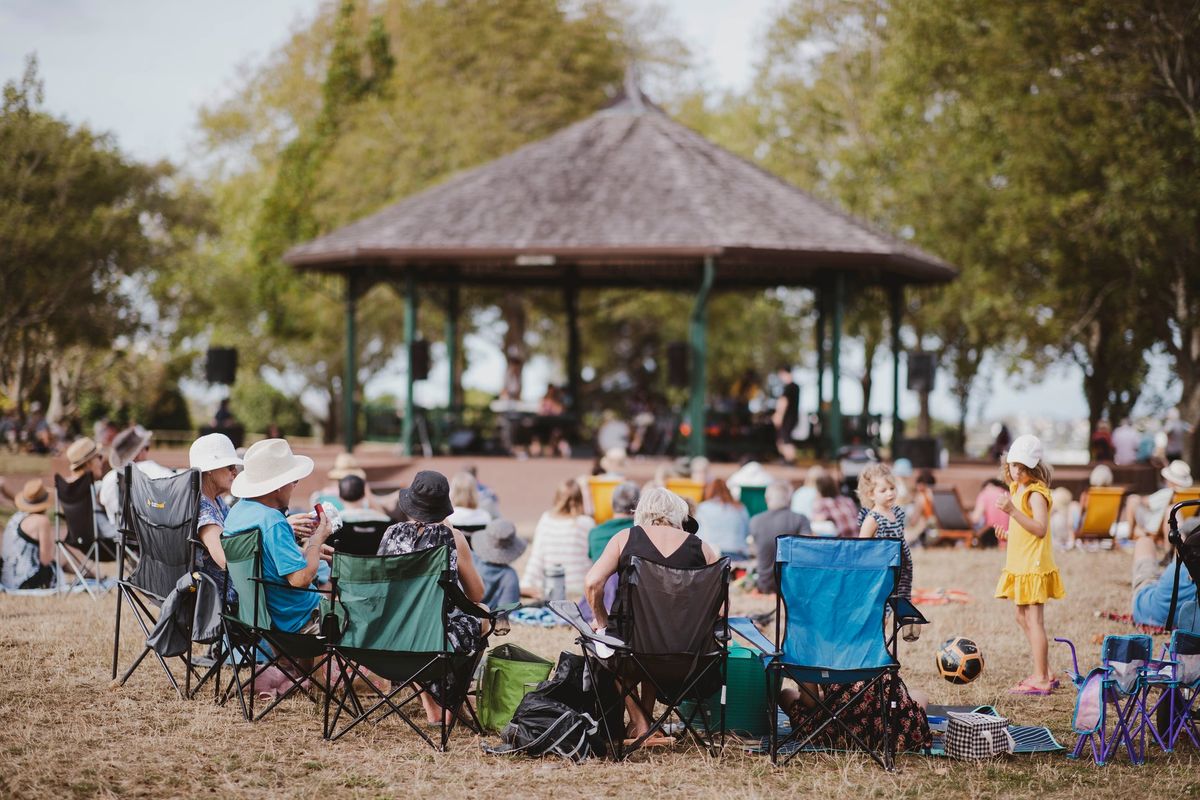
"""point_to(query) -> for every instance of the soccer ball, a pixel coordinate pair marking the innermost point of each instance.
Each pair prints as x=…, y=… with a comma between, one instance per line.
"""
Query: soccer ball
x=959, y=660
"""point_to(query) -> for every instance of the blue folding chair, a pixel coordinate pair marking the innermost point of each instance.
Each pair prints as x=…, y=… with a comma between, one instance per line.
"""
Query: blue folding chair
x=839, y=641
x=1110, y=704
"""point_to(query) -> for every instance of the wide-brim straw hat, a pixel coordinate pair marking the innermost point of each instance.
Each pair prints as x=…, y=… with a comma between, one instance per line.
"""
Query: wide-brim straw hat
x=1178, y=473
x=427, y=499
x=34, y=497
x=269, y=465
x=498, y=543
x=80, y=452
x=127, y=445
x=346, y=464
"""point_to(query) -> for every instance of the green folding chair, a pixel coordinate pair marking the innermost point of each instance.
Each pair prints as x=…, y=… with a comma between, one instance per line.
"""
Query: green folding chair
x=392, y=613
x=256, y=645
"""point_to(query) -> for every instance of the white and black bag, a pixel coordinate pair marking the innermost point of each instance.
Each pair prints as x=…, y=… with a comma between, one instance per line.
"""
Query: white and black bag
x=975, y=736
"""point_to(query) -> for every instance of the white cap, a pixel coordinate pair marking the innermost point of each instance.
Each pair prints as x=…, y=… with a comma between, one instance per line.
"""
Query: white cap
x=212, y=452
x=1025, y=450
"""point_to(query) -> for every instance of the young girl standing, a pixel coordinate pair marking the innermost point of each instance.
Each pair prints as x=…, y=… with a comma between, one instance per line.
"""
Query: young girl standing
x=1030, y=576
x=880, y=516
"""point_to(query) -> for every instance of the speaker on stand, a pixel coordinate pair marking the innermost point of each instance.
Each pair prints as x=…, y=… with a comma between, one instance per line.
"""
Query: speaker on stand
x=678, y=372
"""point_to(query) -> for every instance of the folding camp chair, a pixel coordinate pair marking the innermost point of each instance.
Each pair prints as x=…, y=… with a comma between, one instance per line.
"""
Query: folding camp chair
x=1177, y=674
x=1101, y=514
x=359, y=538
x=393, y=617
x=159, y=518
x=676, y=624
x=839, y=641
x=686, y=488
x=75, y=505
x=1110, y=705
x=953, y=523
x=601, y=491
x=256, y=645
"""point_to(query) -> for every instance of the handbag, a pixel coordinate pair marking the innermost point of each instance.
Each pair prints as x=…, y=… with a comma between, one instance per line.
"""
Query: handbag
x=508, y=671
x=974, y=736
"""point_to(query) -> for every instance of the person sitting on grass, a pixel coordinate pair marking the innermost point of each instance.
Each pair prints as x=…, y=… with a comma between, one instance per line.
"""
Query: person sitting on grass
x=464, y=496
x=909, y=723
x=494, y=549
x=624, y=500
x=724, y=522
x=656, y=536
x=834, y=514
x=27, y=547
x=560, y=539
x=778, y=520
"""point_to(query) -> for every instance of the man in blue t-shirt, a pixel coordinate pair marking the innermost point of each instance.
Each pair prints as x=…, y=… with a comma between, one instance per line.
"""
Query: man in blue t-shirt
x=265, y=486
x=1152, y=589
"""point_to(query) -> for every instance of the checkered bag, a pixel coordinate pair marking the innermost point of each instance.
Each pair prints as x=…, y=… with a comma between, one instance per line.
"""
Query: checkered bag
x=974, y=736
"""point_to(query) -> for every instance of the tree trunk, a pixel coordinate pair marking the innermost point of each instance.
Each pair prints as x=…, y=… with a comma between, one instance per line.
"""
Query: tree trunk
x=924, y=426
x=65, y=374
x=516, y=350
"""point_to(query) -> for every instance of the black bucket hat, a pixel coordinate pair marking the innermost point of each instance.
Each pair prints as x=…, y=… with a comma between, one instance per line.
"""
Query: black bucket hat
x=427, y=499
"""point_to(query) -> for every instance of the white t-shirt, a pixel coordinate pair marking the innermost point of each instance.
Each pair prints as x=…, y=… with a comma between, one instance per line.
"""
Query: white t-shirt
x=469, y=517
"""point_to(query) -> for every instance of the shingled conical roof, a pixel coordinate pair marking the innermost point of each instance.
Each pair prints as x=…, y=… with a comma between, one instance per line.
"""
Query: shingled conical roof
x=626, y=196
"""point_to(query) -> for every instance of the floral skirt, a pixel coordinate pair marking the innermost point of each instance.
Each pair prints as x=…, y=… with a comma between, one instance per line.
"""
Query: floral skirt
x=863, y=717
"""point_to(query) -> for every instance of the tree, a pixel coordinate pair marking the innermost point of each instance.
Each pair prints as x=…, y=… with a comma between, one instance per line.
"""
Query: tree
x=79, y=228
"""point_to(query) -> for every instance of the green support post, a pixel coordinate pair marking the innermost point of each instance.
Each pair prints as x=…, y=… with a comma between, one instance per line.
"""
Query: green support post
x=349, y=377
x=820, y=331
x=897, y=298
x=452, y=312
x=410, y=340
x=835, y=357
x=571, y=301
x=697, y=332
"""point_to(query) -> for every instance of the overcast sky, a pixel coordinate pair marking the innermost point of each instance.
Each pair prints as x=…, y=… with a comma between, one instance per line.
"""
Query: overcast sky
x=141, y=69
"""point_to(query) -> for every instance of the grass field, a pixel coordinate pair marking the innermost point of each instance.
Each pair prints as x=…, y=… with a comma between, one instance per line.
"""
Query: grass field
x=66, y=732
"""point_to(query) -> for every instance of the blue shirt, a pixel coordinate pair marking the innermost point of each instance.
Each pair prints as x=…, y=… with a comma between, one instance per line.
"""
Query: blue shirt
x=1152, y=604
x=213, y=514
x=723, y=526
x=500, y=583
x=290, y=608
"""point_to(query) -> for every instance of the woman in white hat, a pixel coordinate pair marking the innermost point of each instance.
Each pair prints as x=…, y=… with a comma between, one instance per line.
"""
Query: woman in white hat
x=217, y=461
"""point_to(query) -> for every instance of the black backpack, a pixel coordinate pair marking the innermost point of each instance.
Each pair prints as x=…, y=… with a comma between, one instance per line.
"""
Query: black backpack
x=1186, y=539
x=562, y=715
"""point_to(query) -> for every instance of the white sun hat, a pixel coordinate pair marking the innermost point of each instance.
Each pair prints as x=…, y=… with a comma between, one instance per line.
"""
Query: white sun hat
x=270, y=464
x=1025, y=450
x=1178, y=473
x=213, y=451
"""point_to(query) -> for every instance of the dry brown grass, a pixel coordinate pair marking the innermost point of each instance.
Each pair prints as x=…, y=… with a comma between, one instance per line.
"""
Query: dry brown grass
x=68, y=733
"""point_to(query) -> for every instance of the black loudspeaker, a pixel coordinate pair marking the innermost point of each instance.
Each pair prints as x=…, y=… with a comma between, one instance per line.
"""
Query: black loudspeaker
x=221, y=365
x=677, y=364
x=420, y=360
x=921, y=368
x=923, y=452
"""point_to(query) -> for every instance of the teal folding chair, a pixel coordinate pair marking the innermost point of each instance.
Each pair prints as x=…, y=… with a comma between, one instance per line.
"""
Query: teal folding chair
x=392, y=614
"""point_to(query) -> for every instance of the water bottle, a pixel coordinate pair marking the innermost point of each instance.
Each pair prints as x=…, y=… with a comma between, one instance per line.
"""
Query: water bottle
x=554, y=583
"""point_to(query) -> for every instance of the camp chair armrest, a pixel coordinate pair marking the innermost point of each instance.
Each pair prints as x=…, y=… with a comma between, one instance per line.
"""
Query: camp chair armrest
x=906, y=613
x=459, y=600
x=607, y=641
x=279, y=585
x=747, y=630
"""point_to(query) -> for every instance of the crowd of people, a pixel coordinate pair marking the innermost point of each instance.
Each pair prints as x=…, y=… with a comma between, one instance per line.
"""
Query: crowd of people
x=572, y=556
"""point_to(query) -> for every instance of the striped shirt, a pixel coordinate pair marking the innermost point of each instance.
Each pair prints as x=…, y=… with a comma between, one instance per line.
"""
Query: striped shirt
x=559, y=540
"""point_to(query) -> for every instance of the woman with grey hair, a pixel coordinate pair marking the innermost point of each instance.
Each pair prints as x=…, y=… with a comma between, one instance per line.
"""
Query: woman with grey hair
x=657, y=535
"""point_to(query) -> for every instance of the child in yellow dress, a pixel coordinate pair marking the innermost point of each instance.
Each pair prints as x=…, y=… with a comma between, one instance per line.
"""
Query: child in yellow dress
x=1030, y=576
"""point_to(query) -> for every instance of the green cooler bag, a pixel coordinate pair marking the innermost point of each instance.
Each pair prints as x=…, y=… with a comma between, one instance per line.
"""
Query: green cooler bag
x=507, y=674
x=745, y=699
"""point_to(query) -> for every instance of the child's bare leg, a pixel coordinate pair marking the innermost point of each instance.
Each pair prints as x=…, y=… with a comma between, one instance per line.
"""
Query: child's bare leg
x=1036, y=632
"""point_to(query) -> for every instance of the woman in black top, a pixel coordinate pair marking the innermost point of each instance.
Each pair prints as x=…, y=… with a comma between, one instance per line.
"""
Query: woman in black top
x=658, y=536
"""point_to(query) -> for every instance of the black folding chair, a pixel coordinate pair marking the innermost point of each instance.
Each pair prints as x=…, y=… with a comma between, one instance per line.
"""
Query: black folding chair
x=80, y=545
x=359, y=538
x=676, y=628
x=159, y=518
